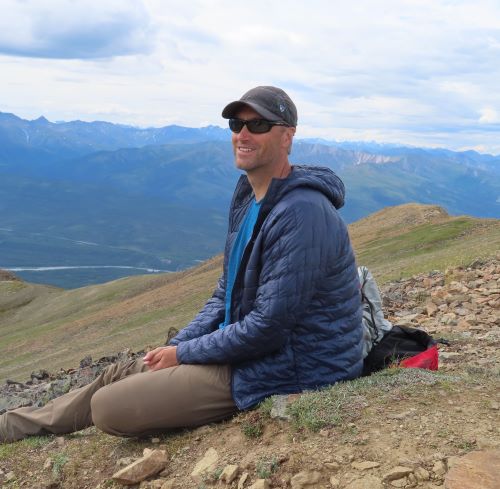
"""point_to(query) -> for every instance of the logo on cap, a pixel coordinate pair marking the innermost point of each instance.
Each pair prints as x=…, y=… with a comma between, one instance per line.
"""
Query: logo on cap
x=282, y=108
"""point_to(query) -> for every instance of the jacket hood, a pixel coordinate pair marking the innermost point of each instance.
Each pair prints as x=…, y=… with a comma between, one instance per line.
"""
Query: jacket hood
x=318, y=178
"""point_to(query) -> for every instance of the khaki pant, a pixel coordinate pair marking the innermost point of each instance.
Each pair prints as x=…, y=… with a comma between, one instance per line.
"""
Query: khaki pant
x=129, y=400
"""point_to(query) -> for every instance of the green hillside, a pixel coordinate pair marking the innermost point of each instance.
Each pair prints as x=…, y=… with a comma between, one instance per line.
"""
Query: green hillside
x=45, y=327
x=400, y=241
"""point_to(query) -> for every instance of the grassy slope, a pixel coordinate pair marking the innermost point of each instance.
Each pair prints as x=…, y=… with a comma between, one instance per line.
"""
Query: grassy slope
x=56, y=328
x=400, y=241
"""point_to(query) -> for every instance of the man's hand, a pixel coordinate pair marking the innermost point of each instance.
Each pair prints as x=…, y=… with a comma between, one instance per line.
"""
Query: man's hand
x=161, y=357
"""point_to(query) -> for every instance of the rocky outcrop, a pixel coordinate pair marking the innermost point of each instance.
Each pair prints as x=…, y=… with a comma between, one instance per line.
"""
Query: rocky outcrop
x=44, y=386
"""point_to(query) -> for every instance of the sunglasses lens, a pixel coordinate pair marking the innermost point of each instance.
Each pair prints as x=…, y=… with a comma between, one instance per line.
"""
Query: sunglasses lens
x=236, y=125
x=259, y=126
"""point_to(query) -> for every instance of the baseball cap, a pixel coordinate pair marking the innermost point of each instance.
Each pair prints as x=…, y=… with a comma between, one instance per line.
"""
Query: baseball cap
x=272, y=103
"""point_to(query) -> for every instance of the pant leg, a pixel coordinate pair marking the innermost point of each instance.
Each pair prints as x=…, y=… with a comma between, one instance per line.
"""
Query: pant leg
x=67, y=413
x=149, y=402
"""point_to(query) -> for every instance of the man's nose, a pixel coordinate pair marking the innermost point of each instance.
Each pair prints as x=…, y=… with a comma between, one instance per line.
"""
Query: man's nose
x=244, y=133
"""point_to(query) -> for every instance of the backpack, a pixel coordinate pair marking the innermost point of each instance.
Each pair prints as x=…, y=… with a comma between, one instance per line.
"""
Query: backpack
x=375, y=326
x=385, y=344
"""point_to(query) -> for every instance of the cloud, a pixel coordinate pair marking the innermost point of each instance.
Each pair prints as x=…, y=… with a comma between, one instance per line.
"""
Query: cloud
x=489, y=116
x=66, y=29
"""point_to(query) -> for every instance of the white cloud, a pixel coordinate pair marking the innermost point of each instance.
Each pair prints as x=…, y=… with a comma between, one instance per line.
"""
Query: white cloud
x=73, y=29
x=489, y=116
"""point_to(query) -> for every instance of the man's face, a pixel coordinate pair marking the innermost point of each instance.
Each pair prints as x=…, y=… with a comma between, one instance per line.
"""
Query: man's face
x=252, y=151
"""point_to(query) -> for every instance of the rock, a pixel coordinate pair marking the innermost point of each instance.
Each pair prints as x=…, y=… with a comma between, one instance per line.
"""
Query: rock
x=304, y=479
x=421, y=474
x=399, y=482
x=243, y=479
x=431, y=308
x=10, y=476
x=366, y=465
x=494, y=405
x=397, y=473
x=368, y=482
x=278, y=409
x=86, y=362
x=439, y=468
x=142, y=468
x=40, y=375
x=463, y=325
x=334, y=482
x=260, y=484
x=334, y=466
x=47, y=464
x=229, y=473
x=207, y=464
x=476, y=470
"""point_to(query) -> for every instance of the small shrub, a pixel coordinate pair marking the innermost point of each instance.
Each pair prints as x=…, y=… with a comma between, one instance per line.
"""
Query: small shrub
x=266, y=467
x=217, y=473
x=253, y=425
x=266, y=406
x=58, y=462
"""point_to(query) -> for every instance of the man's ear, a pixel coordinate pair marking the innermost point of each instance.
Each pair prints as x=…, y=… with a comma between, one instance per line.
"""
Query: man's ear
x=288, y=135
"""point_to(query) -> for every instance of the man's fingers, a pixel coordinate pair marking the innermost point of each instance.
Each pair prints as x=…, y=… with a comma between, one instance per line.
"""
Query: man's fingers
x=152, y=356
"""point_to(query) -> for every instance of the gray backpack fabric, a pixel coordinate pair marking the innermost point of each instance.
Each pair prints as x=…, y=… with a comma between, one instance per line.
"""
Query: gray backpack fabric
x=375, y=326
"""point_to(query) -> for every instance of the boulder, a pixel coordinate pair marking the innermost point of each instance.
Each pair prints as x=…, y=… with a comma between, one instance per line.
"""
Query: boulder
x=229, y=473
x=207, y=464
x=476, y=470
x=365, y=465
x=260, y=484
x=397, y=473
x=304, y=479
x=142, y=468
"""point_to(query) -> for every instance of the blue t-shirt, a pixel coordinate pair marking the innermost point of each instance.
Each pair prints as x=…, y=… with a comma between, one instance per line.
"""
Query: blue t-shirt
x=240, y=243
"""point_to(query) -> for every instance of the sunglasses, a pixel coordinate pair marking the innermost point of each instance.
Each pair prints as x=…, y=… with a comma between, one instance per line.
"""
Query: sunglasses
x=255, y=126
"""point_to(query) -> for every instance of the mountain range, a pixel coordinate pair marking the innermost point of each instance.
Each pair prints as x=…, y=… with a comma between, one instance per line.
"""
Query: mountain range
x=101, y=194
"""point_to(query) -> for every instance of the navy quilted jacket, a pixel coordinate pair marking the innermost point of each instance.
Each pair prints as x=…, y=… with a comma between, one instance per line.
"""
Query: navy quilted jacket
x=296, y=307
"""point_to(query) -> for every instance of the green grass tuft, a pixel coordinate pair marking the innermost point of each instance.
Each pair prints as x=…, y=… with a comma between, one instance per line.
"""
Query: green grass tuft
x=58, y=462
x=266, y=467
x=343, y=402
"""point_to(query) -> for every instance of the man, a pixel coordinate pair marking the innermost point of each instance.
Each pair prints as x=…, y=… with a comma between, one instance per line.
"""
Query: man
x=285, y=316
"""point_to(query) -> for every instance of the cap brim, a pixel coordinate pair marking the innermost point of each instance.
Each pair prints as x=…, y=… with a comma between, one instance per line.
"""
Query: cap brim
x=230, y=110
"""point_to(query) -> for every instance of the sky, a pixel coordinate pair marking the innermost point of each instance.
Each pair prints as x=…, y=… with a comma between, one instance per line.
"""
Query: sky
x=414, y=72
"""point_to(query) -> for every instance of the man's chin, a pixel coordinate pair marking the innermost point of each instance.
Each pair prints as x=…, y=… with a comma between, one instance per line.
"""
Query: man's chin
x=244, y=165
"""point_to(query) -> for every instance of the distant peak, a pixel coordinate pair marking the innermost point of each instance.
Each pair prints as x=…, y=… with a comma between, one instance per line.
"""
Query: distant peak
x=41, y=120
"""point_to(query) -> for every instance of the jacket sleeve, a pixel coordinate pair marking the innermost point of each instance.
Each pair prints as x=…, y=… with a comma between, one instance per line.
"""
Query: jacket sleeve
x=291, y=265
x=208, y=319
